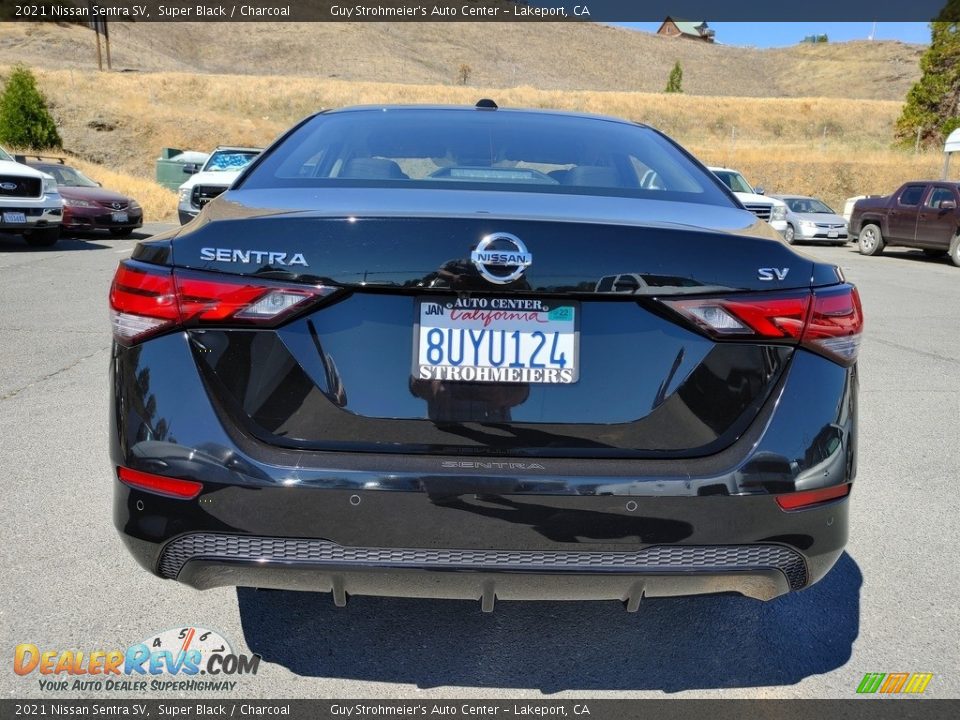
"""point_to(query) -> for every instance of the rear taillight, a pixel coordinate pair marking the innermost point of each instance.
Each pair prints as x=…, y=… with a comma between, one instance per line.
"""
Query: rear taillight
x=778, y=317
x=828, y=321
x=146, y=300
x=835, y=325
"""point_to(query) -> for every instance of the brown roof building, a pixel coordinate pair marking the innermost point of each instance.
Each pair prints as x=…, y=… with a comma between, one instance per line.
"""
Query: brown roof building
x=694, y=30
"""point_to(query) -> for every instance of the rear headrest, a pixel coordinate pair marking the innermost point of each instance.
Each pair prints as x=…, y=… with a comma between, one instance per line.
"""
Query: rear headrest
x=372, y=169
x=592, y=176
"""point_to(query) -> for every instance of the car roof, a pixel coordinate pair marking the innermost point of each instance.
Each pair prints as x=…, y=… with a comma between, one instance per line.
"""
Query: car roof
x=48, y=165
x=475, y=109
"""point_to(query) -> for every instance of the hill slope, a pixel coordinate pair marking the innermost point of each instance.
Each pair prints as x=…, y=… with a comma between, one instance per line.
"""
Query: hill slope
x=548, y=56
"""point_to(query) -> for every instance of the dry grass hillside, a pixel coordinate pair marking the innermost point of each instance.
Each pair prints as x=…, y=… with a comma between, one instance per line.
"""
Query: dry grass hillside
x=809, y=145
x=548, y=56
x=191, y=92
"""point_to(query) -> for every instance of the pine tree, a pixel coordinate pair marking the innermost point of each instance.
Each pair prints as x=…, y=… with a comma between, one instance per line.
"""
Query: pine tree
x=675, y=83
x=933, y=103
x=25, y=121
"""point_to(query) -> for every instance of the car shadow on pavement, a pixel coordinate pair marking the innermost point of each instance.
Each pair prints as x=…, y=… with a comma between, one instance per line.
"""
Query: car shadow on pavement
x=93, y=236
x=905, y=254
x=670, y=644
x=12, y=243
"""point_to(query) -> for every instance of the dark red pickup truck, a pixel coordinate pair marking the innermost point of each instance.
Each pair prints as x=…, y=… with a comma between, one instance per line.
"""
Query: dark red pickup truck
x=921, y=214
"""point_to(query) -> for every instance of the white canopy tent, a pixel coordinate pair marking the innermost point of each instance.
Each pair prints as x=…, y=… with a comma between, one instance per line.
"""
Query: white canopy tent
x=951, y=146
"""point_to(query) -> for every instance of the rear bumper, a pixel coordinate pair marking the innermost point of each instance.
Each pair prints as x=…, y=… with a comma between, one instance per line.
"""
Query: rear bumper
x=487, y=586
x=453, y=527
x=511, y=547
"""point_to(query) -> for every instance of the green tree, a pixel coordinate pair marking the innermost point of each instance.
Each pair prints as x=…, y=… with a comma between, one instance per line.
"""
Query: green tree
x=675, y=82
x=933, y=103
x=25, y=121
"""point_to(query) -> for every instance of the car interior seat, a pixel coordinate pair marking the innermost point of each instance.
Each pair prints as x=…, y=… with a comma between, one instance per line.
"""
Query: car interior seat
x=373, y=169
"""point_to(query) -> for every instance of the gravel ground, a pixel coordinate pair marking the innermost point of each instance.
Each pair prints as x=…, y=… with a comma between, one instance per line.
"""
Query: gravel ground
x=889, y=605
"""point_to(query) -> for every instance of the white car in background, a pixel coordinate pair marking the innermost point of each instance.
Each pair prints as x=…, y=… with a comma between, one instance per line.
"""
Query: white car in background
x=812, y=220
x=766, y=208
x=217, y=174
x=30, y=204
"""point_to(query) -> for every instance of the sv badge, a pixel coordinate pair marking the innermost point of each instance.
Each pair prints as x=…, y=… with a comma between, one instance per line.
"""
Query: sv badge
x=772, y=273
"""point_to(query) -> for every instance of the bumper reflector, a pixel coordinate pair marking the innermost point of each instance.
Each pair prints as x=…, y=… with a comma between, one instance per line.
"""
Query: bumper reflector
x=159, y=484
x=800, y=500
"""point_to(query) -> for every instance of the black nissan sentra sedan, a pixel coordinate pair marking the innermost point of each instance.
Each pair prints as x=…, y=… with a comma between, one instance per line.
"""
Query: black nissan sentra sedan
x=471, y=352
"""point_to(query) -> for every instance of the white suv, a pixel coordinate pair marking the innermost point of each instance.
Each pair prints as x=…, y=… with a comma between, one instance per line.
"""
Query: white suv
x=29, y=203
x=217, y=174
x=766, y=208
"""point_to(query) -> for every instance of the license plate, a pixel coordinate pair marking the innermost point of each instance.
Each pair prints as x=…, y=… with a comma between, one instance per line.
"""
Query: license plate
x=833, y=234
x=15, y=218
x=497, y=340
x=119, y=217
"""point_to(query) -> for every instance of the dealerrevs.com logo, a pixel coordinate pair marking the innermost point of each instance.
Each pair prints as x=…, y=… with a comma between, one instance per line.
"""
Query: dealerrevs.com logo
x=182, y=659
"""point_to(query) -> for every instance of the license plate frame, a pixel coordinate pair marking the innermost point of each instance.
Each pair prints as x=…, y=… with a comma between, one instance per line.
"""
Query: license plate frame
x=120, y=217
x=552, y=349
x=14, y=218
x=833, y=234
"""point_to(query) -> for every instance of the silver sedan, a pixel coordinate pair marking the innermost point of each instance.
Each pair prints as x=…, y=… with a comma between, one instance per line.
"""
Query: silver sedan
x=812, y=220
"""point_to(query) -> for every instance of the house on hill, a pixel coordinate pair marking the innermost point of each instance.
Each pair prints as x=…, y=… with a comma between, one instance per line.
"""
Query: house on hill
x=694, y=30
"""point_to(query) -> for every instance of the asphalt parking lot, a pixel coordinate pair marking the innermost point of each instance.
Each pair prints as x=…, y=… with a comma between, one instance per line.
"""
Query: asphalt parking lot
x=889, y=605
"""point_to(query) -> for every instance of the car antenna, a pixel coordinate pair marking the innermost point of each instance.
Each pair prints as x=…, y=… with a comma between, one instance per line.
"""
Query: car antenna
x=486, y=104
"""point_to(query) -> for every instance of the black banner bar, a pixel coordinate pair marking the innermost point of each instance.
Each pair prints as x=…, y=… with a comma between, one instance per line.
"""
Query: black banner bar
x=477, y=10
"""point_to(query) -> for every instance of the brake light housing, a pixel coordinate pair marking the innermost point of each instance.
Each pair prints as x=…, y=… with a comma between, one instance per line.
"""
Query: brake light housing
x=828, y=321
x=146, y=300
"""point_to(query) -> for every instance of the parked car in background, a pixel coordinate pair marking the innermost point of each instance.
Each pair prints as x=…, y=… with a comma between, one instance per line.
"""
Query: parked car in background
x=29, y=203
x=812, y=220
x=86, y=205
x=923, y=214
x=217, y=174
x=766, y=208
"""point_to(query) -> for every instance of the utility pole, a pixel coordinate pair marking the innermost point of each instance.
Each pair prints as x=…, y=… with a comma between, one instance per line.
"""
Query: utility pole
x=916, y=147
x=100, y=26
x=106, y=41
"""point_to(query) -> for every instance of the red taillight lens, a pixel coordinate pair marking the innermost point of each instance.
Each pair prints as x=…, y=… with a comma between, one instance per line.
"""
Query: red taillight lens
x=806, y=498
x=160, y=484
x=143, y=301
x=835, y=325
x=146, y=300
x=828, y=321
x=778, y=317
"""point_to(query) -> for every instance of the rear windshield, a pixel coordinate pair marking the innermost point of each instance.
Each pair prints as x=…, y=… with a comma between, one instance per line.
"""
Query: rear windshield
x=808, y=205
x=229, y=160
x=734, y=180
x=484, y=150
